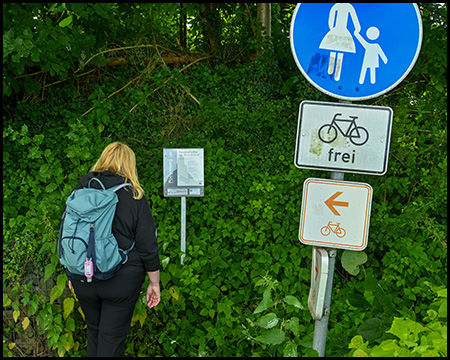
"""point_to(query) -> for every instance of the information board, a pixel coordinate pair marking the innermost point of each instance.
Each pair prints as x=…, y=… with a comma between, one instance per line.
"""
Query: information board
x=183, y=172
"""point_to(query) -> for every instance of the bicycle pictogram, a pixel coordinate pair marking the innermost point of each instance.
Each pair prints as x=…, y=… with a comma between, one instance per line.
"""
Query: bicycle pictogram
x=335, y=228
x=358, y=135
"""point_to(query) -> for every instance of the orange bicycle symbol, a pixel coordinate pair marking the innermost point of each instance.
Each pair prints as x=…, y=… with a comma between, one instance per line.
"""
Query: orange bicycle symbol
x=328, y=229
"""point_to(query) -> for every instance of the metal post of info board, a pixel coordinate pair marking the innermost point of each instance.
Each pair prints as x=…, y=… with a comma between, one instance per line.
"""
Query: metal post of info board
x=321, y=326
x=183, y=229
x=183, y=177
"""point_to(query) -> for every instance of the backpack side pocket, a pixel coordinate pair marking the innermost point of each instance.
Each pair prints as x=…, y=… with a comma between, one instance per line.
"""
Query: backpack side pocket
x=107, y=253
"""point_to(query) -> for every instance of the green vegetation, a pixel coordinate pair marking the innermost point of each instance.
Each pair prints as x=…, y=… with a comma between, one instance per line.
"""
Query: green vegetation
x=79, y=76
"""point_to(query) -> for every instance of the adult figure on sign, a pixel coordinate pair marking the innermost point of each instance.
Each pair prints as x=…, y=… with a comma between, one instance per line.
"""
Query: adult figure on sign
x=339, y=39
x=373, y=52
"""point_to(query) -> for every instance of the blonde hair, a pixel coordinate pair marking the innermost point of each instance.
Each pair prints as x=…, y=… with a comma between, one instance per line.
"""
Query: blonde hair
x=120, y=159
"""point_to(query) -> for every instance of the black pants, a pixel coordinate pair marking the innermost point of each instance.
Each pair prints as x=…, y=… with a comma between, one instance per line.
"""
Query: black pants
x=108, y=307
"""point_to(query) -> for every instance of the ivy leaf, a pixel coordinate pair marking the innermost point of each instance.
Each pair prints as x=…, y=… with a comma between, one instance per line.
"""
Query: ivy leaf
x=68, y=306
x=25, y=323
x=357, y=300
x=49, y=270
x=290, y=350
x=351, y=260
x=99, y=60
x=265, y=303
x=34, y=153
x=59, y=288
x=293, y=324
x=6, y=300
x=66, y=22
x=371, y=329
x=442, y=312
x=267, y=321
x=174, y=294
x=51, y=187
x=406, y=329
x=35, y=56
x=271, y=337
x=16, y=314
x=70, y=324
x=44, y=171
x=292, y=300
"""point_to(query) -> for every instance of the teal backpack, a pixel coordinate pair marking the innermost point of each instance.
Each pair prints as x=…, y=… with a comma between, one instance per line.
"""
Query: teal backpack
x=87, y=248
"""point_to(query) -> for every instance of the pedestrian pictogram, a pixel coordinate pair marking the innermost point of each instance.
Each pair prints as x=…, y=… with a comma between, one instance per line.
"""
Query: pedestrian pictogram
x=339, y=41
x=322, y=224
x=355, y=51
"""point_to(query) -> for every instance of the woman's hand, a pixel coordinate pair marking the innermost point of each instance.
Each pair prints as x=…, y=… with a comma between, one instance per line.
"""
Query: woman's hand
x=153, y=295
x=153, y=290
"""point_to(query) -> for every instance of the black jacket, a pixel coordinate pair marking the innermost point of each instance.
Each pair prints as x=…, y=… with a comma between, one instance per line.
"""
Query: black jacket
x=133, y=221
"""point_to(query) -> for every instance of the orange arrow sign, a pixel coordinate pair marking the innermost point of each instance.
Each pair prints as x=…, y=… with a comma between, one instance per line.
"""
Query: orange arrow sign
x=331, y=203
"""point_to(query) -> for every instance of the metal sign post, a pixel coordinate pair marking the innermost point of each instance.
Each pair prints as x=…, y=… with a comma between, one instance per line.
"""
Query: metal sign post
x=321, y=325
x=183, y=177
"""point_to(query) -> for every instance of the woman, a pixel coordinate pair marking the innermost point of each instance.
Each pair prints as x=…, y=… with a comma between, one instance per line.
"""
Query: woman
x=339, y=39
x=108, y=305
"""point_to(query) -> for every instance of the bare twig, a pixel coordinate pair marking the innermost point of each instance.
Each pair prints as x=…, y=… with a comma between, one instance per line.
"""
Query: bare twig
x=192, y=96
x=60, y=81
x=192, y=63
x=251, y=20
x=25, y=75
x=128, y=84
x=111, y=50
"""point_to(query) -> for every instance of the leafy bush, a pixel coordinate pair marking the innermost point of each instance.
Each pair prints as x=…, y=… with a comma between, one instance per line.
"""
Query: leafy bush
x=245, y=274
x=411, y=338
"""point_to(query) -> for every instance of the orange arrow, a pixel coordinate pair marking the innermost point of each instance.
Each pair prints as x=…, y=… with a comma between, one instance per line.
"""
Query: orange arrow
x=331, y=203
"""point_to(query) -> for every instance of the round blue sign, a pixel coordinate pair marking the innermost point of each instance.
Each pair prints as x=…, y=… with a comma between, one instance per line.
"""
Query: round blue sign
x=355, y=51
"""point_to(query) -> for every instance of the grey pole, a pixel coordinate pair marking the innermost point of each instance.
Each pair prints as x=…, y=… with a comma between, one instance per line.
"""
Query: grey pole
x=183, y=229
x=321, y=326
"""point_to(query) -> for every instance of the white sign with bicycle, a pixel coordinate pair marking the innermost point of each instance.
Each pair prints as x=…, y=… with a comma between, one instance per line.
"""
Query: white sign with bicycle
x=335, y=214
x=343, y=137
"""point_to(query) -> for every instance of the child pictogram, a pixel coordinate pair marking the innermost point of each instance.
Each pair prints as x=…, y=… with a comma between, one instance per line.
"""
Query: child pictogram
x=373, y=52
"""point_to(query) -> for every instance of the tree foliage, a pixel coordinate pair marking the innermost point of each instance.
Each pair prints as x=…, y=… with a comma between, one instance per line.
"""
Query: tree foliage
x=78, y=76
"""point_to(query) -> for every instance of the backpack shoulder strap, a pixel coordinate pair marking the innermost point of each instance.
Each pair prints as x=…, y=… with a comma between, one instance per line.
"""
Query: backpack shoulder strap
x=118, y=187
